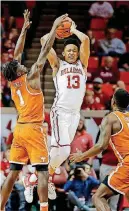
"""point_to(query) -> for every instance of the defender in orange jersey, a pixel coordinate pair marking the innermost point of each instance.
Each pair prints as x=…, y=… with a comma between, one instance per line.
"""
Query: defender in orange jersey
x=29, y=143
x=114, y=130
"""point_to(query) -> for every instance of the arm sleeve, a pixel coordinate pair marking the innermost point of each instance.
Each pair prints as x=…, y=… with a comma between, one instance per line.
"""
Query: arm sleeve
x=121, y=47
x=111, y=11
x=92, y=10
x=94, y=182
x=68, y=186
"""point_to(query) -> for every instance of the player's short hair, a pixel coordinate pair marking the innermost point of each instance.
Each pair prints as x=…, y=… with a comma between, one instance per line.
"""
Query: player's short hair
x=121, y=98
x=71, y=41
x=9, y=70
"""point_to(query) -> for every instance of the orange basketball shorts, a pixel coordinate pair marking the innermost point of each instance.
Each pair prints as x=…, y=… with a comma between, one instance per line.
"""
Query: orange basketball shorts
x=29, y=144
x=118, y=180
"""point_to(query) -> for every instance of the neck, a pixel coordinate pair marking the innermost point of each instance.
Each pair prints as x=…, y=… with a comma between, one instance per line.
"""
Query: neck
x=120, y=109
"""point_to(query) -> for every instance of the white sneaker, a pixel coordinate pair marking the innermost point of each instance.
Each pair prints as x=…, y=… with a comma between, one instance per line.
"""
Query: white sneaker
x=28, y=193
x=51, y=191
x=29, y=187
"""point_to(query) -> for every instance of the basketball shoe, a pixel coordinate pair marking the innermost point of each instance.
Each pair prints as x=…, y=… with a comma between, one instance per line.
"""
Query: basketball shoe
x=51, y=189
x=29, y=182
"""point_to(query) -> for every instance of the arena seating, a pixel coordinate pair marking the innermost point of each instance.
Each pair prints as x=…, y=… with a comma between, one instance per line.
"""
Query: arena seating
x=124, y=76
x=98, y=23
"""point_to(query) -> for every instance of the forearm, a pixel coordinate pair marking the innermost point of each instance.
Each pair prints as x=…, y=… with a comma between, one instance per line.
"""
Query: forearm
x=47, y=45
x=81, y=36
x=20, y=43
x=44, y=38
x=95, y=150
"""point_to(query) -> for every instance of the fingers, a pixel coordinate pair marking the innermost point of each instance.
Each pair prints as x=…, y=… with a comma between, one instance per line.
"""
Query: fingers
x=26, y=14
x=71, y=157
x=64, y=16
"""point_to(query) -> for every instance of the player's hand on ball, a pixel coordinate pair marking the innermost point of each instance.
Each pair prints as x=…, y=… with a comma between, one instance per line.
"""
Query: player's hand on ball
x=73, y=27
x=27, y=22
x=60, y=19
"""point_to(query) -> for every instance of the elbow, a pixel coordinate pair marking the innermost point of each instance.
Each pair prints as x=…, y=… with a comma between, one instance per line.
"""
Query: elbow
x=86, y=38
x=100, y=147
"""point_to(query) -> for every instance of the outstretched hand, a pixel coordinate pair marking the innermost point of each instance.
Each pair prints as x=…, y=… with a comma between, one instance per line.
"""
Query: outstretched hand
x=60, y=19
x=27, y=22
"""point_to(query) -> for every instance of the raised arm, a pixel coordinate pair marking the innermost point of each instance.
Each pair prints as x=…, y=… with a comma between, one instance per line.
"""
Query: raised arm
x=47, y=45
x=51, y=56
x=21, y=40
x=105, y=135
x=85, y=44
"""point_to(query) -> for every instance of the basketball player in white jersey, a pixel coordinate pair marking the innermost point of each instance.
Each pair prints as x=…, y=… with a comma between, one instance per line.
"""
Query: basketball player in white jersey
x=69, y=77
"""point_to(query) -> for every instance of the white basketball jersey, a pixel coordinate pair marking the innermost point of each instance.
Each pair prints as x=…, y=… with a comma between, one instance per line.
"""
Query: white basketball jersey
x=70, y=84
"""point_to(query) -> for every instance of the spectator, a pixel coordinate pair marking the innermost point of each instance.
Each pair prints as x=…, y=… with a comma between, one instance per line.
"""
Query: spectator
x=108, y=72
x=18, y=187
x=99, y=95
x=89, y=102
x=124, y=62
x=79, y=187
x=5, y=166
x=111, y=45
x=13, y=35
x=6, y=96
x=93, y=42
x=101, y=9
x=4, y=57
x=8, y=45
x=121, y=85
x=82, y=141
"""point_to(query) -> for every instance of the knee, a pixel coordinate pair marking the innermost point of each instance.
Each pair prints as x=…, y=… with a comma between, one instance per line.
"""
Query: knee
x=42, y=178
x=71, y=194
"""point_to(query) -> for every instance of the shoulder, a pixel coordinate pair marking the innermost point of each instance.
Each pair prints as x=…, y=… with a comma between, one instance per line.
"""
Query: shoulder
x=94, y=5
x=111, y=118
x=93, y=179
x=118, y=40
x=107, y=4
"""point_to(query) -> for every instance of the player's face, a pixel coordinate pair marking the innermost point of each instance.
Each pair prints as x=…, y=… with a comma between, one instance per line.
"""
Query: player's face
x=71, y=53
x=21, y=70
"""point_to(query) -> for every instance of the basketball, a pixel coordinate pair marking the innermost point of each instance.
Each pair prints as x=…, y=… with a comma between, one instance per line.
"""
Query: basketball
x=63, y=31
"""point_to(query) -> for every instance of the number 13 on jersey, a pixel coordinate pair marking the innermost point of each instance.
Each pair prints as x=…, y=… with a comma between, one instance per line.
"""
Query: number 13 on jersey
x=73, y=81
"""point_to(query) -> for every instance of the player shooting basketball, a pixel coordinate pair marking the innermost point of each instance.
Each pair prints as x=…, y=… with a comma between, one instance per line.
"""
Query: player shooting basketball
x=114, y=130
x=29, y=141
x=69, y=78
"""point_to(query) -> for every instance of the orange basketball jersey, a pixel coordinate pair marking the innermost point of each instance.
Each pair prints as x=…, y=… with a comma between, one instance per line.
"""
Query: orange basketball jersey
x=29, y=102
x=120, y=140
